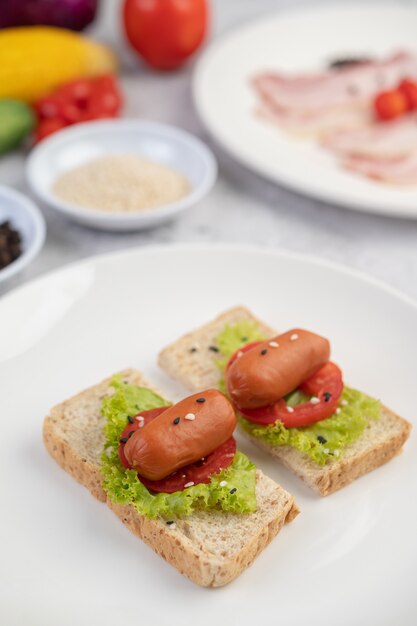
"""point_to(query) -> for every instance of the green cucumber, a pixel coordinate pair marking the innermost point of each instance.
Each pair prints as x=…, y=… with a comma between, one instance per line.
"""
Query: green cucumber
x=17, y=120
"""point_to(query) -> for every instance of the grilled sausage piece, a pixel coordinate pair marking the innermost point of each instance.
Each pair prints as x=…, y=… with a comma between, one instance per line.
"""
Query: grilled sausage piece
x=275, y=367
x=181, y=435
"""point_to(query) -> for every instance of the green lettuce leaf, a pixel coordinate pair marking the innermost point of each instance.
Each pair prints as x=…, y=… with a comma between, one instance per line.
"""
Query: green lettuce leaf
x=335, y=432
x=231, y=339
x=123, y=486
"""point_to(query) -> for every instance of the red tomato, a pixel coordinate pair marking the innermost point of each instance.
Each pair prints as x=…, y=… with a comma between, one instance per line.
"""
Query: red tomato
x=199, y=472
x=165, y=32
x=390, y=104
x=409, y=89
x=47, y=127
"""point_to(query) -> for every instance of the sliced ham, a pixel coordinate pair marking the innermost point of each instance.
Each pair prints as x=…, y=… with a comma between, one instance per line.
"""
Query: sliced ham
x=381, y=141
x=402, y=171
x=350, y=86
x=316, y=124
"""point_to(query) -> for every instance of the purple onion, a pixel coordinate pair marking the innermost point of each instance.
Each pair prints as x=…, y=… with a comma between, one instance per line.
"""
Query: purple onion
x=73, y=14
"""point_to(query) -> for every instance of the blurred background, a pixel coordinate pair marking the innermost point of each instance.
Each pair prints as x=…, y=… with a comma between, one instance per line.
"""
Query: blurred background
x=242, y=207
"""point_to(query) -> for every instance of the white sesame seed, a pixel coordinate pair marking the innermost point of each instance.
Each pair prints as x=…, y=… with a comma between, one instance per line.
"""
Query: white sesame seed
x=274, y=344
x=173, y=525
x=183, y=476
x=290, y=409
x=140, y=418
x=294, y=337
x=336, y=452
x=109, y=451
x=190, y=484
x=240, y=353
x=223, y=483
x=344, y=402
x=190, y=416
x=314, y=400
x=326, y=450
x=337, y=411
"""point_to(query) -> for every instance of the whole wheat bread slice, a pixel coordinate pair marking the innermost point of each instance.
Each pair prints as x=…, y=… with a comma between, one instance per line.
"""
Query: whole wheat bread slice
x=382, y=440
x=210, y=548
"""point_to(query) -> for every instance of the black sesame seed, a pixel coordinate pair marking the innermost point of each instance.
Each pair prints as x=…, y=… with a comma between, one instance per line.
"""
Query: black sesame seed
x=214, y=349
x=233, y=490
x=264, y=351
x=321, y=439
x=132, y=432
x=170, y=522
x=123, y=440
x=176, y=420
x=193, y=349
x=327, y=395
x=200, y=400
x=130, y=418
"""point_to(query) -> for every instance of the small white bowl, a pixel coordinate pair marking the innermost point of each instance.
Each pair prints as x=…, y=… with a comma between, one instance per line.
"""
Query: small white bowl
x=81, y=143
x=26, y=218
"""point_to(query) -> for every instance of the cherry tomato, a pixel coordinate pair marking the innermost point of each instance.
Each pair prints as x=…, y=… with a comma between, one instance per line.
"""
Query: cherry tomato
x=47, y=127
x=390, y=104
x=409, y=89
x=165, y=32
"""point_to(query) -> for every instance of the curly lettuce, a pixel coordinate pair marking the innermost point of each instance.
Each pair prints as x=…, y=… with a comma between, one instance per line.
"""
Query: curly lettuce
x=123, y=486
x=231, y=339
x=328, y=438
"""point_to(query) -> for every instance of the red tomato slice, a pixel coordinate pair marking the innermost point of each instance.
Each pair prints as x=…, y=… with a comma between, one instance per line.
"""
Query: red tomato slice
x=199, y=472
x=326, y=386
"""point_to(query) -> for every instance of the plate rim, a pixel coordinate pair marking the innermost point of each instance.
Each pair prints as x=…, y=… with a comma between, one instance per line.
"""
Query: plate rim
x=310, y=191
x=218, y=247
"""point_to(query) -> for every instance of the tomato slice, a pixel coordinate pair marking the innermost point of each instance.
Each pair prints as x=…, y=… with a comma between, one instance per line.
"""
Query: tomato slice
x=198, y=472
x=326, y=387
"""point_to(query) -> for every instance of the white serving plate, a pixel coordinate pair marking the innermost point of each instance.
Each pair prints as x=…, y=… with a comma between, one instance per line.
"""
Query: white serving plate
x=25, y=216
x=81, y=143
x=66, y=559
x=300, y=40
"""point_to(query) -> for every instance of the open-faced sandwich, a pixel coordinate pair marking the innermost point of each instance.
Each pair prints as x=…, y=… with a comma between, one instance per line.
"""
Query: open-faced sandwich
x=171, y=473
x=290, y=398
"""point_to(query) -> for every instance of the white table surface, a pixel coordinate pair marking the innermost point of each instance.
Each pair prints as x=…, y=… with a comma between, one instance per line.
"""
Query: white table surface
x=242, y=208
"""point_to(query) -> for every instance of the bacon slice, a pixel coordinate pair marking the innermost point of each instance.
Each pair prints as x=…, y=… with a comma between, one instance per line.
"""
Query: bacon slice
x=315, y=124
x=381, y=141
x=347, y=87
x=401, y=171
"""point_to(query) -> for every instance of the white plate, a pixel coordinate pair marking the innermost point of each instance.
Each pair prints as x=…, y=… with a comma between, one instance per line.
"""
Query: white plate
x=302, y=40
x=25, y=216
x=81, y=143
x=66, y=559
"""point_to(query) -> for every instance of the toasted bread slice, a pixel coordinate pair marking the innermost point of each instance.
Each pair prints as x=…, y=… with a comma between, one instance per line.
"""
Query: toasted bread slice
x=210, y=548
x=192, y=361
x=382, y=440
